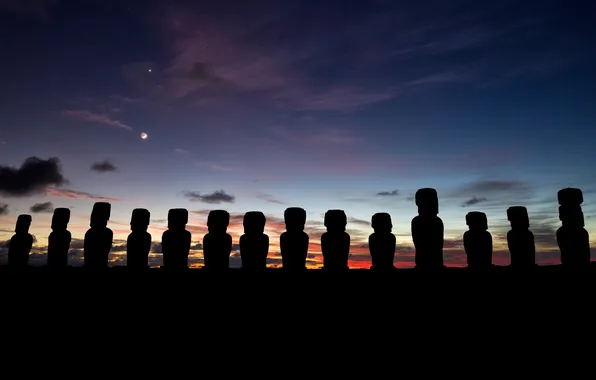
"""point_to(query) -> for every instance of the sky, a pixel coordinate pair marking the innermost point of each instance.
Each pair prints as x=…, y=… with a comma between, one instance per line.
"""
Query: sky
x=265, y=105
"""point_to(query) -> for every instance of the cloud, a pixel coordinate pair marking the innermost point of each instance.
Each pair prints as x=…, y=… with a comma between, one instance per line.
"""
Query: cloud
x=219, y=196
x=473, y=201
x=32, y=177
x=126, y=99
x=180, y=151
x=74, y=194
x=46, y=207
x=361, y=222
x=292, y=57
x=3, y=209
x=103, y=167
x=393, y=193
x=491, y=193
x=215, y=166
x=95, y=118
x=270, y=198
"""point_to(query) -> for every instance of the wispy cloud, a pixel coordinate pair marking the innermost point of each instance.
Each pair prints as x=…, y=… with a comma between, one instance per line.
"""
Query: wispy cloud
x=126, y=99
x=215, y=166
x=392, y=193
x=380, y=53
x=73, y=194
x=89, y=116
x=473, y=201
x=3, y=209
x=270, y=198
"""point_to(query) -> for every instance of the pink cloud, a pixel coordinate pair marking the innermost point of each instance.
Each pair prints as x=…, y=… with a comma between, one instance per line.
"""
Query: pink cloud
x=73, y=194
x=210, y=60
x=95, y=118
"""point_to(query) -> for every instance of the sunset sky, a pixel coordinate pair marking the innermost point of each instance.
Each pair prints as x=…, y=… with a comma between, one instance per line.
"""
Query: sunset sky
x=264, y=105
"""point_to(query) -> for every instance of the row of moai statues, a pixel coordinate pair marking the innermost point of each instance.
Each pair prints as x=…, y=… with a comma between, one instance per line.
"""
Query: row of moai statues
x=427, y=232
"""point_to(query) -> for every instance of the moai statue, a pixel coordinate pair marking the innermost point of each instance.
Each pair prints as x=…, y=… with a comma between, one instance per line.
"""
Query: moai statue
x=294, y=241
x=335, y=243
x=428, y=230
x=59, y=239
x=520, y=239
x=217, y=243
x=572, y=237
x=138, y=243
x=20, y=244
x=478, y=242
x=176, y=241
x=99, y=238
x=254, y=244
x=381, y=243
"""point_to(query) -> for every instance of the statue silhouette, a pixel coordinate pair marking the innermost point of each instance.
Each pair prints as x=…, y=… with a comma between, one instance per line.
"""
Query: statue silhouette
x=572, y=237
x=520, y=239
x=294, y=241
x=478, y=242
x=59, y=239
x=99, y=238
x=138, y=243
x=254, y=244
x=428, y=231
x=381, y=243
x=335, y=243
x=20, y=244
x=217, y=243
x=176, y=241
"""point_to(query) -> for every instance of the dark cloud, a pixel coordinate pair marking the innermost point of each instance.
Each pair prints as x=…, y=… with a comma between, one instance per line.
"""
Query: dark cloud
x=473, y=201
x=393, y=193
x=42, y=207
x=196, y=247
x=216, y=197
x=156, y=247
x=77, y=243
x=32, y=177
x=118, y=248
x=3, y=209
x=453, y=243
x=361, y=222
x=103, y=167
x=270, y=198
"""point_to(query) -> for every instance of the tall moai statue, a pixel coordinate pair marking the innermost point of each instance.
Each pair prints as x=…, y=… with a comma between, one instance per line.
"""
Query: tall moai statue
x=478, y=242
x=572, y=237
x=428, y=230
x=335, y=243
x=254, y=244
x=59, y=239
x=217, y=243
x=520, y=239
x=138, y=243
x=99, y=238
x=21, y=243
x=381, y=243
x=294, y=241
x=176, y=240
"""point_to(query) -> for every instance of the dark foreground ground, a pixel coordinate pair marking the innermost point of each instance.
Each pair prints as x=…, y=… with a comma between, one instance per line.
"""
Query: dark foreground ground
x=356, y=301
x=123, y=272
